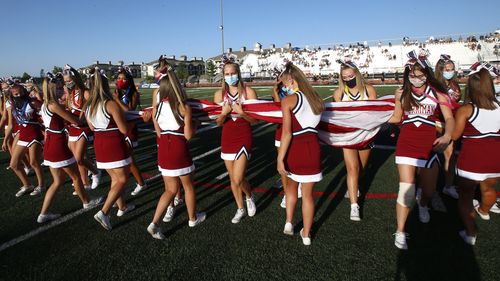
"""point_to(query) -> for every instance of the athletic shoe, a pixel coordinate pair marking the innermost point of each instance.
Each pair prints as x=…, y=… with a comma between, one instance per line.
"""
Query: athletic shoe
x=23, y=190
x=495, y=208
x=138, y=188
x=93, y=202
x=28, y=171
x=96, y=179
x=288, y=230
x=299, y=191
x=451, y=191
x=47, y=217
x=346, y=195
x=86, y=187
x=169, y=215
x=251, y=208
x=38, y=190
x=305, y=240
x=128, y=208
x=355, y=212
x=471, y=240
x=178, y=201
x=200, y=217
x=423, y=213
x=418, y=194
x=240, y=213
x=400, y=240
x=485, y=217
x=103, y=220
x=155, y=231
x=283, y=202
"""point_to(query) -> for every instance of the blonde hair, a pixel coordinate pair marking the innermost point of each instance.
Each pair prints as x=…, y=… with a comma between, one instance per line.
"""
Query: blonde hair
x=360, y=81
x=99, y=92
x=49, y=89
x=312, y=96
x=241, y=85
x=170, y=88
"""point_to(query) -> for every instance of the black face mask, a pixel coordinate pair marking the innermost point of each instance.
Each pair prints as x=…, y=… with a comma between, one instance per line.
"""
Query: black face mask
x=19, y=101
x=351, y=83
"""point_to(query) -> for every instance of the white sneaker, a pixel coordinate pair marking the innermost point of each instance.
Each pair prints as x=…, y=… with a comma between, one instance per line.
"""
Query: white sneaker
x=288, y=230
x=93, y=202
x=155, y=231
x=299, y=191
x=495, y=208
x=28, y=171
x=169, y=215
x=47, y=217
x=305, y=240
x=471, y=240
x=103, y=220
x=37, y=191
x=423, y=213
x=485, y=217
x=355, y=212
x=178, y=201
x=24, y=190
x=400, y=240
x=283, y=202
x=240, y=213
x=86, y=187
x=451, y=191
x=200, y=217
x=128, y=208
x=138, y=188
x=251, y=208
x=346, y=195
x=418, y=194
x=96, y=179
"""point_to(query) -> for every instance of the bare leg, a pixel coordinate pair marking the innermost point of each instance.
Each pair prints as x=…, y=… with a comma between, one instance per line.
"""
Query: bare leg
x=307, y=207
x=187, y=183
x=406, y=175
x=172, y=185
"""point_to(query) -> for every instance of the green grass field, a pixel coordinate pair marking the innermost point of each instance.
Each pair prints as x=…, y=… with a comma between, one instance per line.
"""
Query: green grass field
x=76, y=247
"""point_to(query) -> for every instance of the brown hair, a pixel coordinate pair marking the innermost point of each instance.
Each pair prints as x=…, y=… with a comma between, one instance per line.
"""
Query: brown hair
x=79, y=84
x=480, y=90
x=312, y=96
x=170, y=88
x=241, y=85
x=439, y=69
x=407, y=100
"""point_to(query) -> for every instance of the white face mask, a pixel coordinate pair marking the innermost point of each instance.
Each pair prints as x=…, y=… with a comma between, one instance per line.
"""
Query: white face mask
x=417, y=82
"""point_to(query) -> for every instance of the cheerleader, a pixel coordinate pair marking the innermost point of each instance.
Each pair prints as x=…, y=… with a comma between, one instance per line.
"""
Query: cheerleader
x=236, y=143
x=173, y=126
x=107, y=120
x=79, y=135
x=352, y=87
x=127, y=97
x=418, y=105
x=29, y=138
x=301, y=115
x=478, y=123
x=56, y=153
x=446, y=74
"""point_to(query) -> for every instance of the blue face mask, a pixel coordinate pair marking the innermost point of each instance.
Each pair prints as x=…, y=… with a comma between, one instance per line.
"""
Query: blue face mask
x=448, y=74
x=497, y=88
x=231, y=80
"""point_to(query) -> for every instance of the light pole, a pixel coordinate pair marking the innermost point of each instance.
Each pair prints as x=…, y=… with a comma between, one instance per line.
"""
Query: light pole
x=222, y=27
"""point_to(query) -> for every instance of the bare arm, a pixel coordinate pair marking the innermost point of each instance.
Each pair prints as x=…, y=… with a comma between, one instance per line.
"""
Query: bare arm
x=286, y=136
x=155, y=108
x=252, y=95
x=372, y=93
x=57, y=109
x=398, y=108
x=337, y=95
x=8, y=130
x=188, y=122
x=442, y=142
x=226, y=108
x=115, y=111
x=461, y=116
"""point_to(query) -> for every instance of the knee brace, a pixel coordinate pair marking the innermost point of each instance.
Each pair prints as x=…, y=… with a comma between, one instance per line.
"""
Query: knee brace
x=406, y=194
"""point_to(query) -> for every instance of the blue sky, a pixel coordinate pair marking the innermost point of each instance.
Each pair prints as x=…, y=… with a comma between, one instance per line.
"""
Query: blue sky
x=40, y=34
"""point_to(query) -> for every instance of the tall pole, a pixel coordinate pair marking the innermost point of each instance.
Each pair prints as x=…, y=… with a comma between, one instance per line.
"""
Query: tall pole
x=222, y=27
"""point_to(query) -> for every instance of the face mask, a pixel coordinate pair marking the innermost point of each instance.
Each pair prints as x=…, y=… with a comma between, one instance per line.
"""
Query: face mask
x=231, y=80
x=70, y=85
x=19, y=100
x=351, y=83
x=448, y=74
x=497, y=88
x=417, y=82
x=121, y=84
